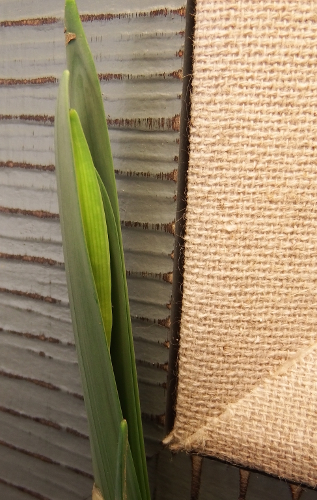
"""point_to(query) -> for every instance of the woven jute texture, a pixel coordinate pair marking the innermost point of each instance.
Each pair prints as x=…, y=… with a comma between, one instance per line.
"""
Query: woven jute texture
x=247, y=388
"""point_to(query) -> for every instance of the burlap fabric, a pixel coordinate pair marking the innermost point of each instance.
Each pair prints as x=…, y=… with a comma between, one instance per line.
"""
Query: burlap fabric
x=247, y=388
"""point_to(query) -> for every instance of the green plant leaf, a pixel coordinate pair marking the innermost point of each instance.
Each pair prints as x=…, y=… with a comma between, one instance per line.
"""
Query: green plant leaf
x=99, y=386
x=122, y=349
x=121, y=478
x=94, y=221
x=85, y=97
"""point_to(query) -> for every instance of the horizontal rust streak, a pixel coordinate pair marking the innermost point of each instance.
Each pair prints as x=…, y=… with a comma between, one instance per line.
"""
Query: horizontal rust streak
x=168, y=277
x=39, y=420
x=143, y=319
x=169, y=176
x=41, y=214
x=159, y=366
x=153, y=13
x=172, y=123
x=33, y=336
x=75, y=395
x=40, y=21
x=27, y=166
x=76, y=433
x=45, y=459
x=43, y=421
x=24, y=490
x=178, y=75
x=31, y=259
x=15, y=376
x=148, y=123
x=166, y=322
x=29, y=118
x=28, y=81
x=30, y=295
x=40, y=383
x=181, y=11
x=162, y=176
x=158, y=419
x=166, y=228
x=37, y=21
x=107, y=77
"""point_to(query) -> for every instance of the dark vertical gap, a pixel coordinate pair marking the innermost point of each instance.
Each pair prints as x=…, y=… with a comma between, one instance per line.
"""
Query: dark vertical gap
x=197, y=463
x=244, y=476
x=177, y=289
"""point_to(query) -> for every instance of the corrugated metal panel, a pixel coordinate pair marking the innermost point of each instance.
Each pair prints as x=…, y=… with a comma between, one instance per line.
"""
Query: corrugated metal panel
x=44, y=450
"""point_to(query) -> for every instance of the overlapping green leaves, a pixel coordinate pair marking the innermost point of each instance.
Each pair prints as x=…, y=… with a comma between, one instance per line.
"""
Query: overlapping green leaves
x=94, y=221
x=96, y=274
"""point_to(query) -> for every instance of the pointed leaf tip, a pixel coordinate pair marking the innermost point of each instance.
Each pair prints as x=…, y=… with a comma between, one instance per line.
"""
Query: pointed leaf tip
x=85, y=96
x=70, y=3
x=94, y=221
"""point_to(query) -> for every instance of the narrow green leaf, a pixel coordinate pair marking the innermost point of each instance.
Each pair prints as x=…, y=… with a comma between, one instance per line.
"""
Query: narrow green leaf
x=94, y=221
x=121, y=478
x=99, y=386
x=122, y=349
x=85, y=97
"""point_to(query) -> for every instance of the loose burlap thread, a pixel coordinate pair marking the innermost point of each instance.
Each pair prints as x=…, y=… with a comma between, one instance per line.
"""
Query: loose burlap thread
x=247, y=388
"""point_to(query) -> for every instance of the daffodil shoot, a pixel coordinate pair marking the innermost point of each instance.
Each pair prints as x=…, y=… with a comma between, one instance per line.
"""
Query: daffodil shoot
x=96, y=276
